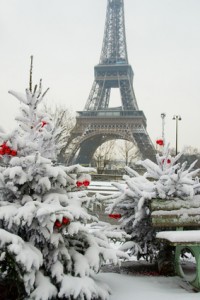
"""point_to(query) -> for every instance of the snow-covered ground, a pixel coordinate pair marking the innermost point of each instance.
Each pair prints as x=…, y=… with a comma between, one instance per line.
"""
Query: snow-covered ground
x=130, y=287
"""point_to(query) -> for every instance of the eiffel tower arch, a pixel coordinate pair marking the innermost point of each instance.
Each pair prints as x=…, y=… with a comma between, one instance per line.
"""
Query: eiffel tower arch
x=99, y=123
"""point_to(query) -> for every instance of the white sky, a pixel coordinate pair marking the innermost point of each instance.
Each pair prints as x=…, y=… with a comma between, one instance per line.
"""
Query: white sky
x=65, y=37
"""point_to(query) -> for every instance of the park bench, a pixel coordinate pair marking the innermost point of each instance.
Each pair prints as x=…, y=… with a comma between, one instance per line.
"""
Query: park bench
x=180, y=220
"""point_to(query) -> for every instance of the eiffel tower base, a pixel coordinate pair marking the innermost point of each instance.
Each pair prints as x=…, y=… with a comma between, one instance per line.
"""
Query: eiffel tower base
x=96, y=128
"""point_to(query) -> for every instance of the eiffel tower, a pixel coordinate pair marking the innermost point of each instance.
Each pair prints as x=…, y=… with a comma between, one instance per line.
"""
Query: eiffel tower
x=99, y=123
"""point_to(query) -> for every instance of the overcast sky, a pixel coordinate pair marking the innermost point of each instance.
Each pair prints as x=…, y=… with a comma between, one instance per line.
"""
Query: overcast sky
x=65, y=37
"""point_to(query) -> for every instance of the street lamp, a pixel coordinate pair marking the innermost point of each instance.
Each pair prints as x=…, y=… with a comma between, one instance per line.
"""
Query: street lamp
x=177, y=118
x=163, y=115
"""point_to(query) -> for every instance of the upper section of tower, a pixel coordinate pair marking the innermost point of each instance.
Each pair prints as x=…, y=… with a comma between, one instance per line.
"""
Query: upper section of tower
x=114, y=49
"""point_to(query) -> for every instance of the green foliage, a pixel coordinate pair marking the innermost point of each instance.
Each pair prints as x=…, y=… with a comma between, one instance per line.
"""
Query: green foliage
x=11, y=283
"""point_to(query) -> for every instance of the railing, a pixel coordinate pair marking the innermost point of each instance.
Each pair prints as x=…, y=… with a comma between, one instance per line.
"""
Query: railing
x=112, y=113
x=106, y=177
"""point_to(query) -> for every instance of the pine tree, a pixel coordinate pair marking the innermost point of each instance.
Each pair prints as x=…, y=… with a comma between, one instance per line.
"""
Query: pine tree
x=45, y=246
x=166, y=179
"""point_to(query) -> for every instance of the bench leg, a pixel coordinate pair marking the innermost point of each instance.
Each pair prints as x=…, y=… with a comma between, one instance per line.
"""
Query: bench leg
x=193, y=279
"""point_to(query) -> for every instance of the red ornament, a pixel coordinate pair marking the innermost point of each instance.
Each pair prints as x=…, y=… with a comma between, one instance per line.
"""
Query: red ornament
x=168, y=161
x=57, y=224
x=65, y=221
x=13, y=152
x=44, y=123
x=2, y=152
x=7, y=150
x=3, y=145
x=86, y=182
x=4, y=149
x=160, y=142
x=115, y=216
x=79, y=183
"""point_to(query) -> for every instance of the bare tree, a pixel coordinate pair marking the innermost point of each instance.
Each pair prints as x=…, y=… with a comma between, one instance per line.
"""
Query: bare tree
x=118, y=152
x=104, y=155
x=128, y=151
x=64, y=119
x=189, y=154
x=189, y=150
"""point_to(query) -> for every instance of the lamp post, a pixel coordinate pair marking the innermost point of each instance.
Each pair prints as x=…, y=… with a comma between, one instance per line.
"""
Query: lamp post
x=177, y=118
x=163, y=115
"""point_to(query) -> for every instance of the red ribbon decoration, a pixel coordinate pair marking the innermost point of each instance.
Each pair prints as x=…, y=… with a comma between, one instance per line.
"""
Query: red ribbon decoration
x=13, y=152
x=44, y=123
x=86, y=183
x=65, y=221
x=168, y=161
x=160, y=142
x=115, y=216
x=4, y=149
x=57, y=224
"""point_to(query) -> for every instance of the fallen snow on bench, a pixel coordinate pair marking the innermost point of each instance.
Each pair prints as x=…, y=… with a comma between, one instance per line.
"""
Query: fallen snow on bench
x=188, y=236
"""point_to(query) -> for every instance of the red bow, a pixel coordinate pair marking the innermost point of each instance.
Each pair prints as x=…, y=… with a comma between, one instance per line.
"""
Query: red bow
x=4, y=149
x=85, y=183
x=168, y=161
x=44, y=123
x=115, y=216
x=160, y=142
x=65, y=221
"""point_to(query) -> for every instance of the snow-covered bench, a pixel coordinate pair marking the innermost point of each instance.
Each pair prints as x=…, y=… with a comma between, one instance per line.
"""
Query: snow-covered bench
x=182, y=216
x=176, y=213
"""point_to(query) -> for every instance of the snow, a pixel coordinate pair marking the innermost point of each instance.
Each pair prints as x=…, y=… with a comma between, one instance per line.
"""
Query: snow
x=129, y=287
x=81, y=265
x=57, y=271
x=180, y=236
x=44, y=289
x=84, y=286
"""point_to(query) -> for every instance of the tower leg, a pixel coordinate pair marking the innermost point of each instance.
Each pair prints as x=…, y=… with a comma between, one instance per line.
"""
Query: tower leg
x=87, y=150
x=145, y=146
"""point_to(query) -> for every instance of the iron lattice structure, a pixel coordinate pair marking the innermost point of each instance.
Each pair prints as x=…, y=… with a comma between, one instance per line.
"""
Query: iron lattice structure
x=98, y=123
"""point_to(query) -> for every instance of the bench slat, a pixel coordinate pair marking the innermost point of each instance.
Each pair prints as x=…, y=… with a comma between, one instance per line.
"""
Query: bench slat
x=175, y=221
x=175, y=213
x=174, y=238
x=174, y=204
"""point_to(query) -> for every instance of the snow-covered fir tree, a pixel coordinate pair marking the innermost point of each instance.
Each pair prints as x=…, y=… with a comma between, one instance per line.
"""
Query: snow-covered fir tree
x=164, y=179
x=45, y=245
